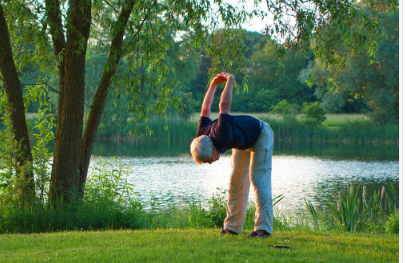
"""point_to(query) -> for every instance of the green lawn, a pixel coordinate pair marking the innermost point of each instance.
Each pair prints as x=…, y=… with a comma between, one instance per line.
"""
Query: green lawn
x=196, y=246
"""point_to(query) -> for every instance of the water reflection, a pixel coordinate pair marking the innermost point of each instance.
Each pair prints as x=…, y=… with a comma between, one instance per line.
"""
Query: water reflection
x=166, y=171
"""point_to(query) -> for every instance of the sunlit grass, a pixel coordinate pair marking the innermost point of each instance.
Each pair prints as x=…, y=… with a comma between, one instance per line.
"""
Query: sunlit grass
x=335, y=120
x=197, y=245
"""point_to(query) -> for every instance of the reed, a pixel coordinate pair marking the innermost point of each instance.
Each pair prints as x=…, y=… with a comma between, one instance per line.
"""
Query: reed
x=353, y=212
x=353, y=131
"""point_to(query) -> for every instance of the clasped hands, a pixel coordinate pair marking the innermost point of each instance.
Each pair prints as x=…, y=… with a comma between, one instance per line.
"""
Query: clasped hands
x=221, y=78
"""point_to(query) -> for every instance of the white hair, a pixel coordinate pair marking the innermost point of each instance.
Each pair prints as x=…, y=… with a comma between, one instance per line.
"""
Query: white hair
x=201, y=148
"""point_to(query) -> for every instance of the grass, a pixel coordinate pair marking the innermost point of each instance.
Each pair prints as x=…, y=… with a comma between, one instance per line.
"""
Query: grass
x=196, y=246
x=336, y=120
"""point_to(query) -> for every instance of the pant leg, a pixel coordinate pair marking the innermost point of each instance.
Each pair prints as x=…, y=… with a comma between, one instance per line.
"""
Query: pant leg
x=260, y=176
x=238, y=192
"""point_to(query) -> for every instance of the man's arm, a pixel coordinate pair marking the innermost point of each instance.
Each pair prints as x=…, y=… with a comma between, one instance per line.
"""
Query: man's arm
x=226, y=96
x=209, y=96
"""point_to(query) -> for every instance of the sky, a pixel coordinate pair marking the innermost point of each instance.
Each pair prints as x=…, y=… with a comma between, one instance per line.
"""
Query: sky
x=255, y=24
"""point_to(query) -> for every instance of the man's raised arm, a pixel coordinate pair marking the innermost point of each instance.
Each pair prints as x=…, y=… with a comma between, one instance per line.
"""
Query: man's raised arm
x=226, y=97
x=209, y=96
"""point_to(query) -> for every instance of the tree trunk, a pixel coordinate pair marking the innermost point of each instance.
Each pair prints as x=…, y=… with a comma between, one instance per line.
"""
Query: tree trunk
x=69, y=125
x=59, y=43
x=102, y=92
x=21, y=144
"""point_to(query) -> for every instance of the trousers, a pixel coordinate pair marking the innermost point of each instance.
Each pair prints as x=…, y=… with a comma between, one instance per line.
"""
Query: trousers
x=251, y=166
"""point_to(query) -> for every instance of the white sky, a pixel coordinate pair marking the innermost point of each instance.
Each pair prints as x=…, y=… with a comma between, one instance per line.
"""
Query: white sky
x=256, y=24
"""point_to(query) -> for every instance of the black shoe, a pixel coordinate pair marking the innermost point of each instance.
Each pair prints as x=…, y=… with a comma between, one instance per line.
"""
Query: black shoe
x=255, y=234
x=227, y=232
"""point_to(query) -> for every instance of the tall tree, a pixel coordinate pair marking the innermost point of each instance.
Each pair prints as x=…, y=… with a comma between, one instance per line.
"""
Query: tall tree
x=275, y=79
x=133, y=31
x=20, y=138
x=374, y=82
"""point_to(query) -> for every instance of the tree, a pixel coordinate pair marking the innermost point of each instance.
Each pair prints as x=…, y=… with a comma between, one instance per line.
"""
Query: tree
x=314, y=114
x=369, y=85
x=287, y=110
x=135, y=35
x=16, y=111
x=323, y=26
x=274, y=78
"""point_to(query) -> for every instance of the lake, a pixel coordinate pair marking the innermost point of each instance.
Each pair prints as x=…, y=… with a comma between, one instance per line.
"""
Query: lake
x=165, y=173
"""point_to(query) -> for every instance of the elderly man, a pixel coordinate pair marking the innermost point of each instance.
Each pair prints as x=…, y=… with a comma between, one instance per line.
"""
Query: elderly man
x=251, y=141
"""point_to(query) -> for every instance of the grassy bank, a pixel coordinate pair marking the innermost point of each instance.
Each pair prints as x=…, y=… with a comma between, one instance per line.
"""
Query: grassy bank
x=197, y=246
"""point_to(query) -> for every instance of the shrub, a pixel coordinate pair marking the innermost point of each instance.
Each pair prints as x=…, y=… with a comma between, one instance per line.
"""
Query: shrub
x=314, y=114
x=217, y=210
x=287, y=110
x=392, y=225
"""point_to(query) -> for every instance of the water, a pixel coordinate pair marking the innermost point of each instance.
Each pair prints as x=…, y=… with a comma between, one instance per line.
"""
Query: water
x=166, y=173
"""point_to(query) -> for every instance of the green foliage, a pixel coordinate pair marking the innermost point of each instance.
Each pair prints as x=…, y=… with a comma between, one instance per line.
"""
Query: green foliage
x=273, y=78
x=43, y=126
x=354, y=213
x=217, y=208
x=314, y=114
x=392, y=225
x=287, y=110
x=227, y=50
x=109, y=182
x=109, y=202
x=346, y=208
x=7, y=169
x=364, y=84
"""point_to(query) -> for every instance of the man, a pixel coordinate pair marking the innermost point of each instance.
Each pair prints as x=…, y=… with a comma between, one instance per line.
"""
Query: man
x=251, y=141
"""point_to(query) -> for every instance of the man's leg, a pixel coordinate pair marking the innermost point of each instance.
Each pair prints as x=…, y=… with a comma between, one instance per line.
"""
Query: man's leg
x=260, y=176
x=238, y=192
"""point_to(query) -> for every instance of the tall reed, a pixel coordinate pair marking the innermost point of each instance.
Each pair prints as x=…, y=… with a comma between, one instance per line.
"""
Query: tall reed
x=357, y=132
x=358, y=213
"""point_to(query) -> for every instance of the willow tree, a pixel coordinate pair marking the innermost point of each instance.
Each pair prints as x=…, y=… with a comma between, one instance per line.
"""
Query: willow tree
x=133, y=29
x=16, y=111
x=70, y=27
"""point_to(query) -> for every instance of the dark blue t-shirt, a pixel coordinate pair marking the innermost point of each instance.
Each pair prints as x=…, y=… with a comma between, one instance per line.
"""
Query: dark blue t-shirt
x=229, y=131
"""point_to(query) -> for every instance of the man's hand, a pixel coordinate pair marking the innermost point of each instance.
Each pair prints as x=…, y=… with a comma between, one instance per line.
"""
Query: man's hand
x=221, y=78
x=226, y=98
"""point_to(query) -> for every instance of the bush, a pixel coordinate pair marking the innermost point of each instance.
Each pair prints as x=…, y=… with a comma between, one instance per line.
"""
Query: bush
x=217, y=210
x=392, y=225
x=314, y=114
x=287, y=110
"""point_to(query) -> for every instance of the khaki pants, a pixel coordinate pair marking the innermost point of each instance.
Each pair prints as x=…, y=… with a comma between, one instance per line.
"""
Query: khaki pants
x=252, y=165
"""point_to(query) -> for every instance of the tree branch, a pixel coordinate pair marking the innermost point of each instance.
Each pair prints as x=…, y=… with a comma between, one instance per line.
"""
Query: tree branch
x=55, y=17
x=108, y=3
x=102, y=91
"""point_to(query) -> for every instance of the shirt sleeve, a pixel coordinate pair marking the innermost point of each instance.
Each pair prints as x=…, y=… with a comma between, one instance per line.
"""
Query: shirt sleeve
x=225, y=124
x=224, y=134
x=204, y=121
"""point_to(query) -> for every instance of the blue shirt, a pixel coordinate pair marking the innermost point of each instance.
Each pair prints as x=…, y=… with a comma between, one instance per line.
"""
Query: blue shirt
x=229, y=131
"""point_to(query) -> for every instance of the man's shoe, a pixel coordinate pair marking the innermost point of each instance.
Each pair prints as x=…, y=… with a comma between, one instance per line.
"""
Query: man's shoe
x=255, y=234
x=227, y=232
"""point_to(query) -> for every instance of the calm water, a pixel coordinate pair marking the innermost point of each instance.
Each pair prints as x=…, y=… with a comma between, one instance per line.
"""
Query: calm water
x=165, y=172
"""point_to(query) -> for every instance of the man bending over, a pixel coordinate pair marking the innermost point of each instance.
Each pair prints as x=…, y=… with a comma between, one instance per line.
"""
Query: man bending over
x=251, y=141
